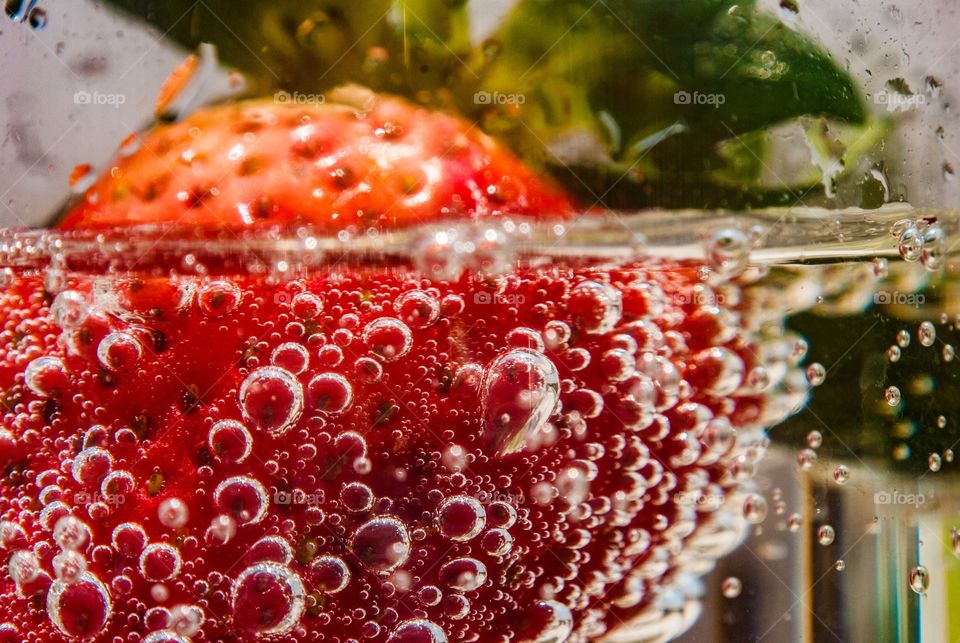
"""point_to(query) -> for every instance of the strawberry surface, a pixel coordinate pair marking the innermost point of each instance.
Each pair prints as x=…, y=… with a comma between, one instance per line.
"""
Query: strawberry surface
x=367, y=454
x=354, y=162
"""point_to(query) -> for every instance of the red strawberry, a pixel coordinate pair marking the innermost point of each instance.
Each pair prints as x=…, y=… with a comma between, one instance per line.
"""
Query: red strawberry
x=352, y=163
x=364, y=452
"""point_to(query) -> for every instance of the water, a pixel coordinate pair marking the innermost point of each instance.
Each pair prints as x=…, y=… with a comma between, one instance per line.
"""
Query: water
x=847, y=514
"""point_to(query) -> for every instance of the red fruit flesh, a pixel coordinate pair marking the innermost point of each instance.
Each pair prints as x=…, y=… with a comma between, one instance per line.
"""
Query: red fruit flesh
x=397, y=442
x=353, y=163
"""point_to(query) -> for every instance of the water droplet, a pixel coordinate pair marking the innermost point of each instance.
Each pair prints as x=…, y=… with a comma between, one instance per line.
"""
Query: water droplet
x=919, y=579
x=461, y=518
x=825, y=535
x=79, y=609
x=903, y=338
x=755, y=508
x=268, y=599
x=841, y=474
x=910, y=243
x=892, y=395
x=927, y=334
x=816, y=374
x=271, y=399
x=731, y=587
x=230, y=441
x=521, y=390
x=243, y=498
x=388, y=338
x=329, y=574
x=934, y=248
x=382, y=544
x=463, y=574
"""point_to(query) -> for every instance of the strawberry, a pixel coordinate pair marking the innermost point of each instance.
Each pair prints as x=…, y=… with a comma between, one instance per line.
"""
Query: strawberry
x=352, y=162
x=193, y=450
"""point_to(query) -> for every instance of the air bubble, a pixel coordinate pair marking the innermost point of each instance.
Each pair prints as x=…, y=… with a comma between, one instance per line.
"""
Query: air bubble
x=381, y=544
x=46, y=377
x=927, y=334
x=243, y=498
x=728, y=252
x=119, y=351
x=910, y=243
x=70, y=533
x=826, y=535
x=418, y=309
x=731, y=587
x=418, y=631
x=173, y=513
x=80, y=609
x=330, y=393
x=463, y=574
x=814, y=439
x=268, y=599
x=230, y=441
x=159, y=562
x=903, y=338
x=271, y=399
x=755, y=508
x=69, y=310
x=291, y=357
x=388, y=338
x=596, y=306
x=934, y=462
x=521, y=390
x=841, y=474
x=461, y=518
x=919, y=579
x=218, y=298
x=892, y=395
x=91, y=466
x=329, y=574
x=816, y=374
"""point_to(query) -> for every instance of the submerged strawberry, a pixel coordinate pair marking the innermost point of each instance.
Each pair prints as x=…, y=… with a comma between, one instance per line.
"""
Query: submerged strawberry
x=354, y=162
x=193, y=450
